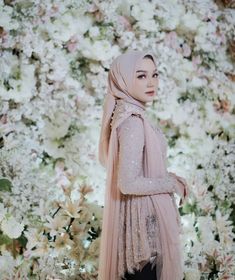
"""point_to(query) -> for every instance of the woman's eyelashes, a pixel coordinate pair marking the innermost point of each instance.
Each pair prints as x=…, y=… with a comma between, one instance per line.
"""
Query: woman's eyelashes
x=143, y=75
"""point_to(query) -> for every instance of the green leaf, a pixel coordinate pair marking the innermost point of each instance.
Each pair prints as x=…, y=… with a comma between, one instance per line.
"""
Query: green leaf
x=22, y=240
x=5, y=185
x=4, y=239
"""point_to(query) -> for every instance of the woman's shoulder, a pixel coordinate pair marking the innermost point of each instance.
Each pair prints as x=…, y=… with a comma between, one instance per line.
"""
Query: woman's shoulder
x=133, y=123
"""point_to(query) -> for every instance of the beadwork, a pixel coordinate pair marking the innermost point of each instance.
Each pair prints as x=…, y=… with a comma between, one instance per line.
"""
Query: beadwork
x=136, y=191
x=124, y=108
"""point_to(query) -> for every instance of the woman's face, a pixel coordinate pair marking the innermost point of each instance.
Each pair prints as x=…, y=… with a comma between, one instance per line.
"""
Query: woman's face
x=145, y=80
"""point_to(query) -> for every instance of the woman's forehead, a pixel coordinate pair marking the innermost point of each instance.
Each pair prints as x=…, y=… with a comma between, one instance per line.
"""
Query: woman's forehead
x=145, y=65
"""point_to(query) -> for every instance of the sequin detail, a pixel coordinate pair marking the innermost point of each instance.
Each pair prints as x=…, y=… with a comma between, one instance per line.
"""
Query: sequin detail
x=137, y=242
x=123, y=108
x=130, y=179
x=139, y=225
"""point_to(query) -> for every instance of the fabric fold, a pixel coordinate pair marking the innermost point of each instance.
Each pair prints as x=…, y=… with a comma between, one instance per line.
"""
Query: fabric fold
x=124, y=239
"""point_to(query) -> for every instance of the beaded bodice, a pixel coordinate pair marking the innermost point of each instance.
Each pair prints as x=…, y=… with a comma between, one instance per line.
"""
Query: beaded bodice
x=130, y=163
x=137, y=191
x=123, y=108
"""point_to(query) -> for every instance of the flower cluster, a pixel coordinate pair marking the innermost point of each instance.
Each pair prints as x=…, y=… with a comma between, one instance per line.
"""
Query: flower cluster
x=55, y=57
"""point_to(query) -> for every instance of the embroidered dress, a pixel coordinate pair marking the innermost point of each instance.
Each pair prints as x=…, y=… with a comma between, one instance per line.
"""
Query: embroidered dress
x=137, y=213
x=140, y=218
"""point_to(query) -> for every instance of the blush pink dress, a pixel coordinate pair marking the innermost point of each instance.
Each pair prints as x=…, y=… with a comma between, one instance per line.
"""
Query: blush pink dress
x=137, y=213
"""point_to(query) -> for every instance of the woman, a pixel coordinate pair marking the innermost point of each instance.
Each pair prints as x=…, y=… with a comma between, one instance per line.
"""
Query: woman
x=141, y=223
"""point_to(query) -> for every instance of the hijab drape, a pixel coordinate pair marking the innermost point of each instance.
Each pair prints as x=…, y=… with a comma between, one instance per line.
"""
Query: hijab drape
x=120, y=86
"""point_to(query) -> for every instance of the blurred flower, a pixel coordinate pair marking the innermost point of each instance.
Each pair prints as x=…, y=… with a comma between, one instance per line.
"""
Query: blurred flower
x=56, y=224
x=77, y=252
x=63, y=241
x=11, y=227
x=3, y=211
x=192, y=274
x=72, y=208
x=94, y=247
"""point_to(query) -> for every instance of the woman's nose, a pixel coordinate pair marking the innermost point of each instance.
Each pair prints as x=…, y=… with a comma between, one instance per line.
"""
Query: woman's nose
x=150, y=82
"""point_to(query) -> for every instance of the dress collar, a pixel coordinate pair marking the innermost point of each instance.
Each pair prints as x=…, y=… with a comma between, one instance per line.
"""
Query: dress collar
x=122, y=108
x=129, y=105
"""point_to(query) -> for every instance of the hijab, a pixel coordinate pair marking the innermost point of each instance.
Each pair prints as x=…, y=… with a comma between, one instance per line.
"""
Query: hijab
x=120, y=87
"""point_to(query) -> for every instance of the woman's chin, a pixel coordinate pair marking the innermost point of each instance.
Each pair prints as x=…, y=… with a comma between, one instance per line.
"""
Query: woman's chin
x=150, y=98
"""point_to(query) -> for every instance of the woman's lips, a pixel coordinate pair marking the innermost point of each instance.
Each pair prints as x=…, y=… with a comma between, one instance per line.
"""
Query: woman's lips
x=150, y=92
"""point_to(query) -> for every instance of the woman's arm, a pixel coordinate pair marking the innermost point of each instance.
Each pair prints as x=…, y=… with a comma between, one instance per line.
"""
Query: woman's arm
x=131, y=145
x=183, y=188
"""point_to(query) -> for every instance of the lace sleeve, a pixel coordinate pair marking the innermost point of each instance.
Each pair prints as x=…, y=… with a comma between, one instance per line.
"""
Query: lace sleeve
x=131, y=145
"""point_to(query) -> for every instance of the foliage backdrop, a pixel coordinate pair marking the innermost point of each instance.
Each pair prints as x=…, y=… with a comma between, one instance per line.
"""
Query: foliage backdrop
x=54, y=60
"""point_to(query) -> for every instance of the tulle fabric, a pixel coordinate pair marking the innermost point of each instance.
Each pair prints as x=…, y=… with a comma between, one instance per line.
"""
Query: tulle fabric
x=110, y=264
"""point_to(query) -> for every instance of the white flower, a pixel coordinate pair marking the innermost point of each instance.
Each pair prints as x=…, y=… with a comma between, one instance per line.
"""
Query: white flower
x=60, y=68
x=11, y=227
x=3, y=211
x=206, y=226
x=189, y=232
x=180, y=116
x=7, y=264
x=190, y=22
x=58, y=127
x=94, y=31
x=66, y=26
x=206, y=202
x=213, y=118
x=6, y=19
x=224, y=226
x=198, y=82
x=33, y=238
x=143, y=11
x=21, y=90
x=192, y=274
x=51, y=147
x=8, y=63
x=205, y=38
x=56, y=224
x=195, y=131
x=169, y=14
x=148, y=25
x=99, y=50
x=183, y=72
x=126, y=39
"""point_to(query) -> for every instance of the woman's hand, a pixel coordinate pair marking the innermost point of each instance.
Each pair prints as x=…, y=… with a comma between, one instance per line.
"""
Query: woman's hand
x=182, y=187
x=186, y=190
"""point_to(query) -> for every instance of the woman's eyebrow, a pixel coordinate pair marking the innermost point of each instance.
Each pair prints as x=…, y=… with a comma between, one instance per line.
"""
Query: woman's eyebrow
x=144, y=71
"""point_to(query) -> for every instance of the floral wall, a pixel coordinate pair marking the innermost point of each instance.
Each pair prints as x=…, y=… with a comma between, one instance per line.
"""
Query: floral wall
x=54, y=61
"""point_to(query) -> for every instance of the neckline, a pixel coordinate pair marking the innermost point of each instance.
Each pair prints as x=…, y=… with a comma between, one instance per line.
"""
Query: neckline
x=122, y=102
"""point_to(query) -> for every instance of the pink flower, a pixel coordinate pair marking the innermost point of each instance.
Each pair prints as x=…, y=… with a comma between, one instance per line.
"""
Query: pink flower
x=3, y=119
x=72, y=44
x=196, y=60
x=171, y=40
x=125, y=22
x=186, y=50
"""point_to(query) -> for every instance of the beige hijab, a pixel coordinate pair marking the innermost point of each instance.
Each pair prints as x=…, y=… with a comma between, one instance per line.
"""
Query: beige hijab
x=120, y=83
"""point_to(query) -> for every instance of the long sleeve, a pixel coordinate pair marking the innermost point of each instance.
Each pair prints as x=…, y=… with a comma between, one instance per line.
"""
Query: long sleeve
x=129, y=178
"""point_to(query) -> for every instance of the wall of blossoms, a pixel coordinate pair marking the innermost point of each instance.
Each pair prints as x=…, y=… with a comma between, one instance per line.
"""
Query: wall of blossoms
x=54, y=61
